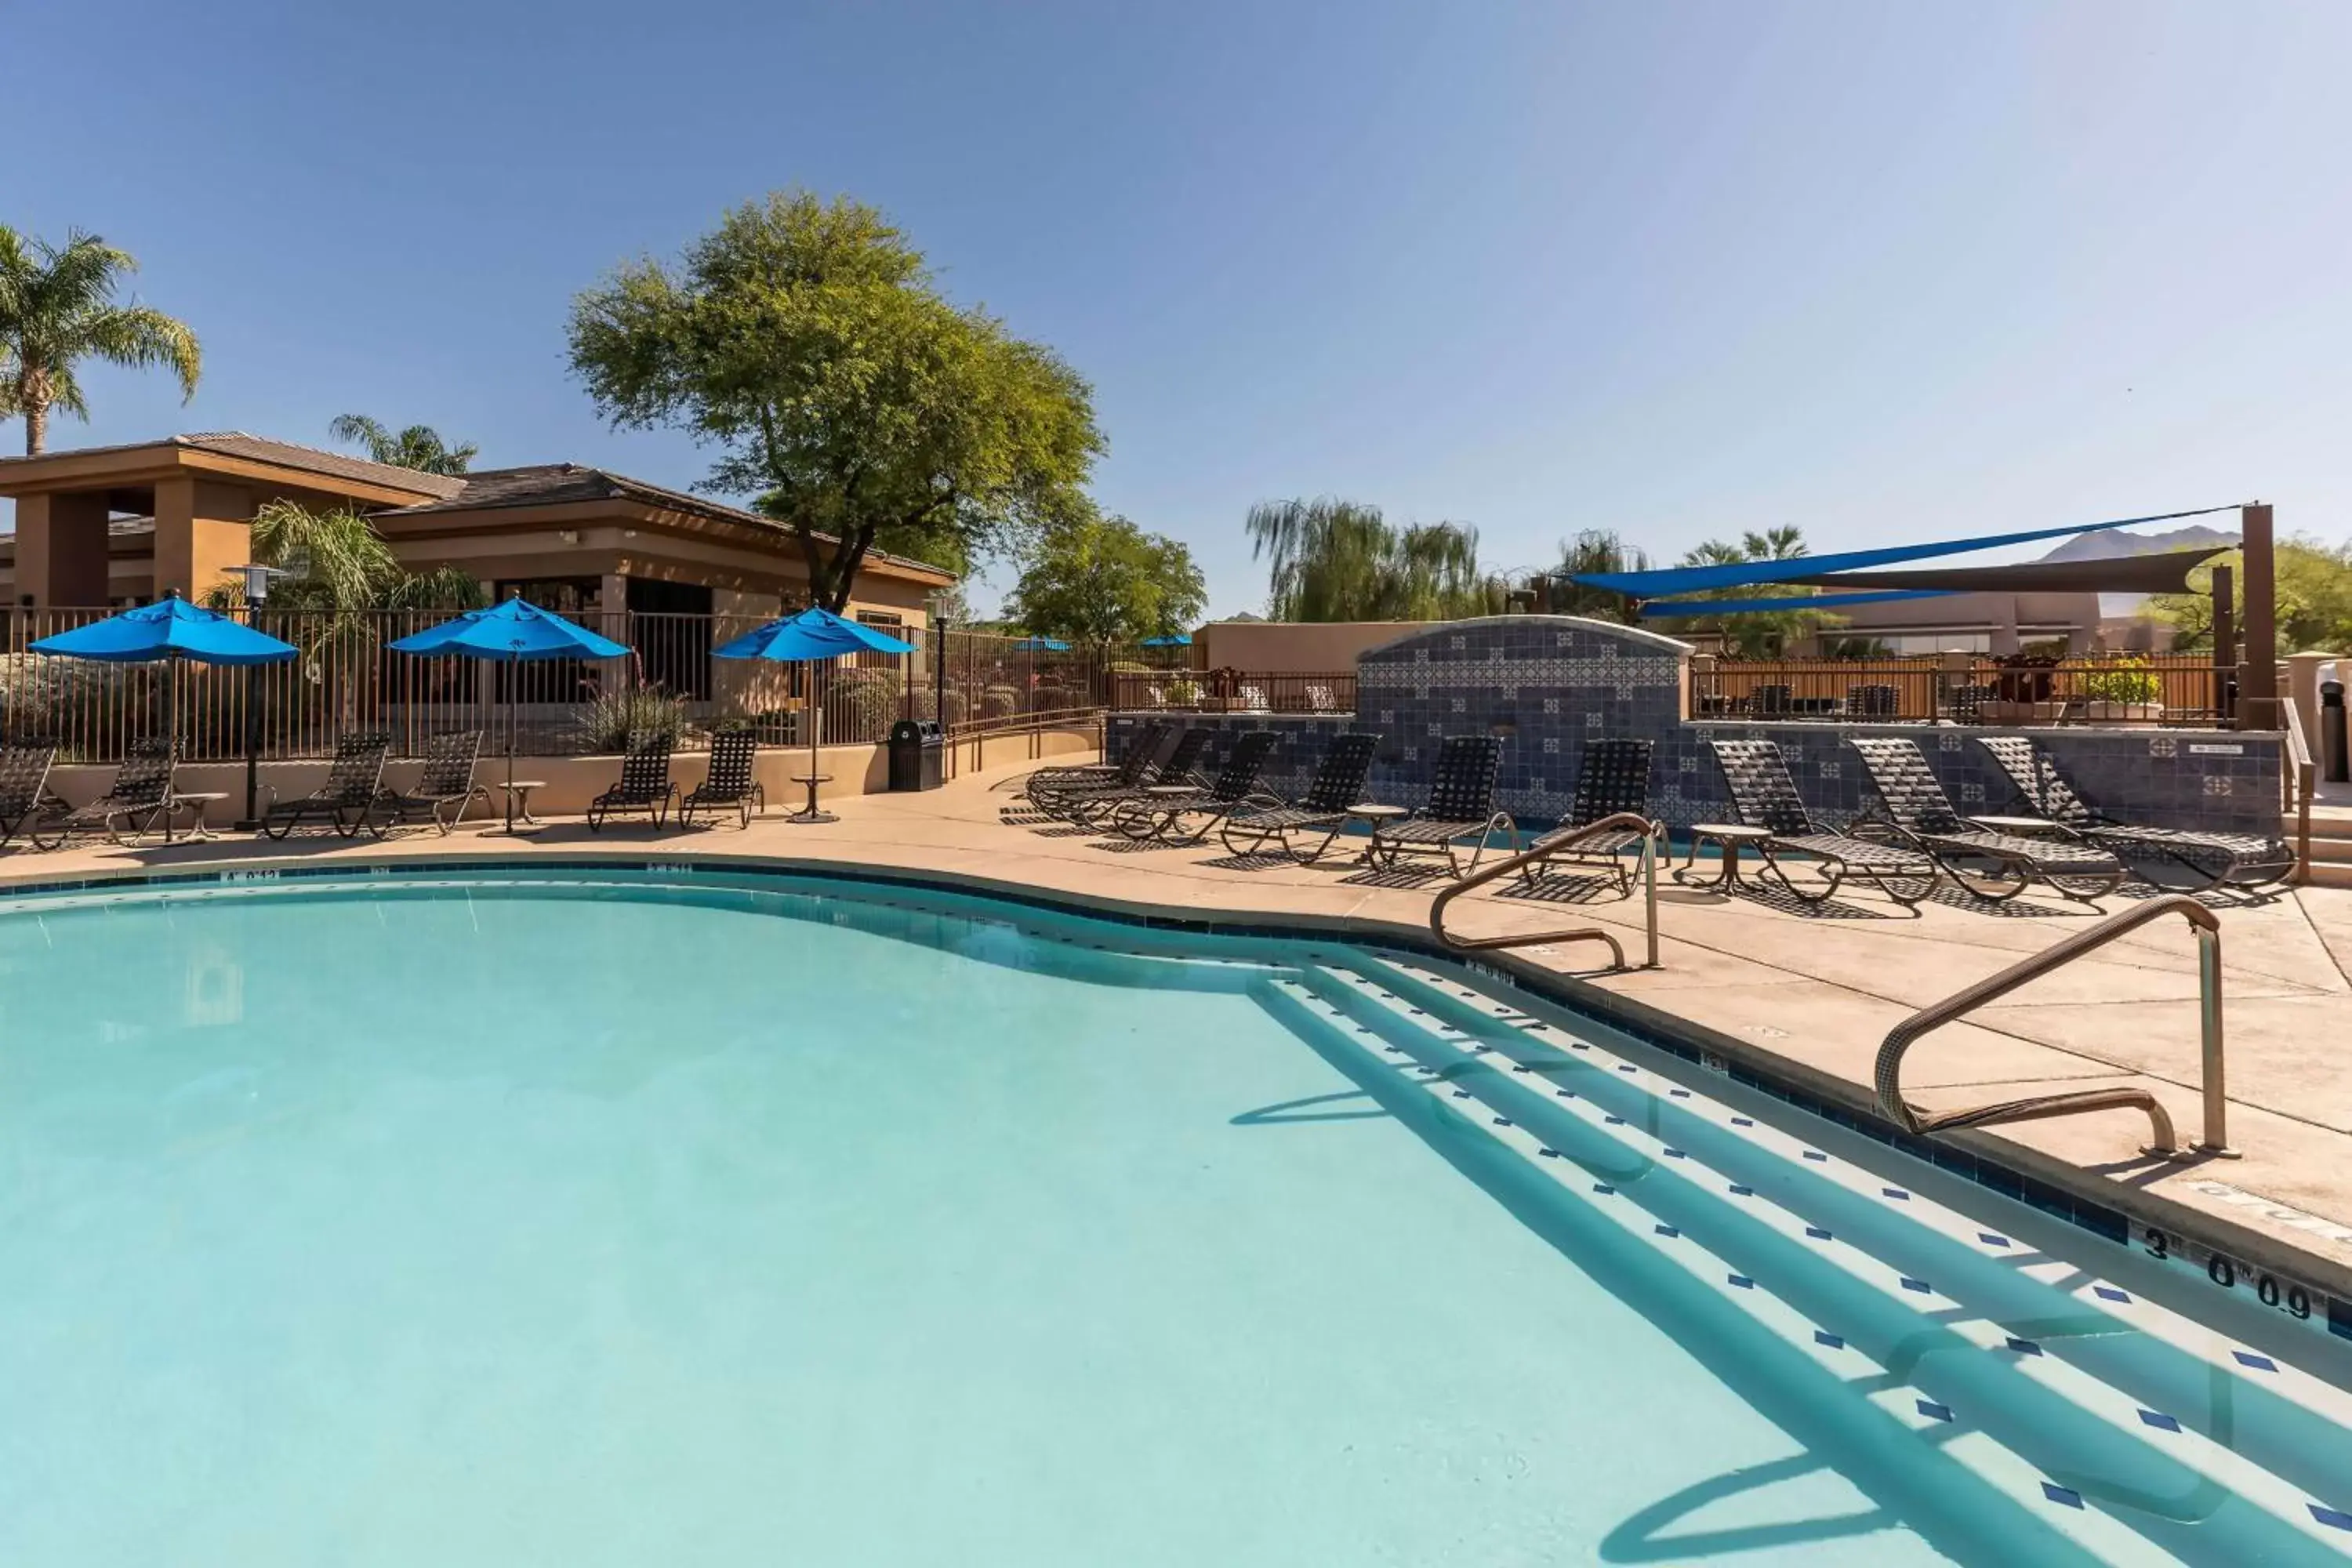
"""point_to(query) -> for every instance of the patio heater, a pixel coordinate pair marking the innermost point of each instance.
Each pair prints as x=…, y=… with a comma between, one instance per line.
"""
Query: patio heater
x=256, y=579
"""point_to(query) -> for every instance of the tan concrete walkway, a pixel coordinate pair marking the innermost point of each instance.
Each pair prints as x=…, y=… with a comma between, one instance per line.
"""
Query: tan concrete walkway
x=1807, y=993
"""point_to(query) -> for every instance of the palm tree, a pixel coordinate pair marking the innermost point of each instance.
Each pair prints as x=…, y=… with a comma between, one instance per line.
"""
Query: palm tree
x=419, y=446
x=1340, y=560
x=1756, y=633
x=57, y=308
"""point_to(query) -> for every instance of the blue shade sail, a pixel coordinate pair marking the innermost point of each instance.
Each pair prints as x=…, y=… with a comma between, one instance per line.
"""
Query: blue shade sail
x=1665, y=609
x=168, y=628
x=511, y=630
x=1744, y=574
x=1041, y=645
x=811, y=635
x=1180, y=640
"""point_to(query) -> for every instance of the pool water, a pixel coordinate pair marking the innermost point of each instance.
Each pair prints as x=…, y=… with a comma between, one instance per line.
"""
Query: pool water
x=614, y=1218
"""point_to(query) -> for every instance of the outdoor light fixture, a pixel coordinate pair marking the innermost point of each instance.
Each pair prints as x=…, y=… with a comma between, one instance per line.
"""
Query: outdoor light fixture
x=257, y=578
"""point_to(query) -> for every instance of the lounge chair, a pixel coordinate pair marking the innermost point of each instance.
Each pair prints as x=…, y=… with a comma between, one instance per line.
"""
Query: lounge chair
x=24, y=785
x=346, y=800
x=2239, y=860
x=1167, y=814
x=444, y=787
x=730, y=784
x=1046, y=785
x=1461, y=803
x=141, y=795
x=1339, y=784
x=1918, y=808
x=1765, y=796
x=644, y=785
x=1092, y=807
x=1613, y=777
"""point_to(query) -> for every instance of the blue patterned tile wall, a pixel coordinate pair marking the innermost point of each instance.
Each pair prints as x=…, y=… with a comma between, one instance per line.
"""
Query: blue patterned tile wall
x=1547, y=683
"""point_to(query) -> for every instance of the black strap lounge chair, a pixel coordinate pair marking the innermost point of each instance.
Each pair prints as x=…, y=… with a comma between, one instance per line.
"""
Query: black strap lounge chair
x=1922, y=813
x=1093, y=806
x=1613, y=777
x=1461, y=803
x=139, y=798
x=1045, y=788
x=1339, y=783
x=347, y=800
x=1184, y=814
x=2239, y=860
x=444, y=787
x=1765, y=796
x=24, y=785
x=644, y=785
x=729, y=785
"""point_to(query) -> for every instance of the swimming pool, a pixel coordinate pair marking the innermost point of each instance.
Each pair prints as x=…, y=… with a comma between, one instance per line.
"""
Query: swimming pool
x=609, y=1216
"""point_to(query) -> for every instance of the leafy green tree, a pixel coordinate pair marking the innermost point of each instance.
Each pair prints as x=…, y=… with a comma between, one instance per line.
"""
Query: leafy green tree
x=2313, y=593
x=1341, y=561
x=57, y=308
x=418, y=446
x=807, y=342
x=1099, y=579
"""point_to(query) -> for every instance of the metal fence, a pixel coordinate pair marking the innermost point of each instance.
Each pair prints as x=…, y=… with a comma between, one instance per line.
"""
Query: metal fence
x=2172, y=688
x=348, y=678
x=1231, y=691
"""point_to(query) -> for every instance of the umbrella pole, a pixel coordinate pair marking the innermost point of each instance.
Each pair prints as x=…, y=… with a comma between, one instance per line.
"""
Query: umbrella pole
x=514, y=665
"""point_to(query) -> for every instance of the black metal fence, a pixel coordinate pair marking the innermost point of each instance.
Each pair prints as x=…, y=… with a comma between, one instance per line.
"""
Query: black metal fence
x=348, y=677
x=2170, y=688
x=1232, y=692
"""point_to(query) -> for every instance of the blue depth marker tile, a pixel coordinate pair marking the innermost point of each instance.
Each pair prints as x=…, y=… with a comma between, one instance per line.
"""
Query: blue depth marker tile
x=1989, y=1239
x=1911, y=1284
x=1665, y=1230
x=1897, y=1193
x=2024, y=1347
x=2159, y=1420
x=2335, y=1518
x=1603, y=1188
x=1741, y=1281
x=1817, y=1154
x=1549, y=1153
x=2108, y=1293
x=1817, y=1233
x=1742, y=1122
x=1740, y=1192
x=1672, y=1154
x=1824, y=1337
x=1934, y=1411
x=2259, y=1363
x=1614, y=1121
x=2058, y=1494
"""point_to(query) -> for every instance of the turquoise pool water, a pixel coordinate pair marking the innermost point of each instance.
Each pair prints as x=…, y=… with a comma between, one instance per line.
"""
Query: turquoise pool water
x=612, y=1220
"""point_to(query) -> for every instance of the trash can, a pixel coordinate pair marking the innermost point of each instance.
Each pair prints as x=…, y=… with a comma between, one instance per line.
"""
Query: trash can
x=2335, y=765
x=918, y=750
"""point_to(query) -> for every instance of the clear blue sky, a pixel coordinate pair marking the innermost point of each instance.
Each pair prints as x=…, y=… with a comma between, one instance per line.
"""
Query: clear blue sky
x=1889, y=271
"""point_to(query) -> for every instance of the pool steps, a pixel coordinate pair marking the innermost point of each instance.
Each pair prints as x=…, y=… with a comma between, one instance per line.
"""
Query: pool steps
x=2015, y=1366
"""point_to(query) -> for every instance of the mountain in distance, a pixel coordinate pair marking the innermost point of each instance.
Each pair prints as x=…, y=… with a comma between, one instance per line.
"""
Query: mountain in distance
x=2109, y=543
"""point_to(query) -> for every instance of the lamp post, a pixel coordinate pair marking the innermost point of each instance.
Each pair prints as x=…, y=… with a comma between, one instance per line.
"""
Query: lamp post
x=257, y=578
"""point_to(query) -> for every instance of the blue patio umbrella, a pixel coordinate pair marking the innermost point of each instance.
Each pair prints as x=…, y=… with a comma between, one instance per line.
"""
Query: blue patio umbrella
x=517, y=632
x=1041, y=645
x=172, y=629
x=1176, y=640
x=809, y=638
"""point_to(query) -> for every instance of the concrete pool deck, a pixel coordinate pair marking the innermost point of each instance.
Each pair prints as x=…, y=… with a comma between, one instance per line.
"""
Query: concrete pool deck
x=1805, y=994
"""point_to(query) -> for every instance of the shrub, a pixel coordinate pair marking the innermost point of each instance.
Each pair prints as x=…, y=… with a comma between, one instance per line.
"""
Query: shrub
x=859, y=704
x=615, y=720
x=2124, y=680
x=999, y=702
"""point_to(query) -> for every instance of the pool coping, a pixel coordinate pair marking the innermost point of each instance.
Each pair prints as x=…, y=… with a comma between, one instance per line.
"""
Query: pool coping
x=2113, y=1211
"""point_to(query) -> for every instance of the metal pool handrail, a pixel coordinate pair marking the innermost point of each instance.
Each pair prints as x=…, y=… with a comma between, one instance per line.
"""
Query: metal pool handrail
x=2036, y=1108
x=1651, y=833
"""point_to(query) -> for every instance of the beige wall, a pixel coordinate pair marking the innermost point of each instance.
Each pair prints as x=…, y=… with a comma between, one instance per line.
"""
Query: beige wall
x=571, y=782
x=1293, y=648
x=61, y=554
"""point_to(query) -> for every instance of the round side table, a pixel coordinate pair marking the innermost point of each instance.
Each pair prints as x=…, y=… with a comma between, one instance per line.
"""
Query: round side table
x=1729, y=837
